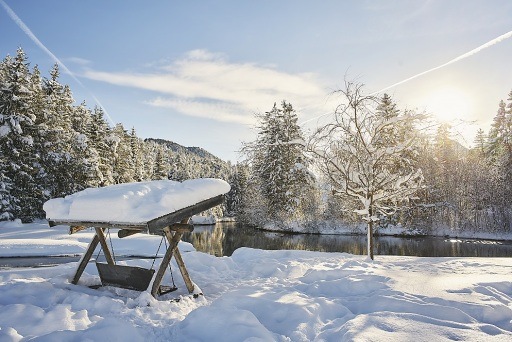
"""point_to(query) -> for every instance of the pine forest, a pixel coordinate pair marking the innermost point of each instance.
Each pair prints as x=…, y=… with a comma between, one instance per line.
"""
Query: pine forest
x=375, y=164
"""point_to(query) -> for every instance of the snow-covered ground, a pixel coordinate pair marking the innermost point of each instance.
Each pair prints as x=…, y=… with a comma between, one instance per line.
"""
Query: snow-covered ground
x=254, y=295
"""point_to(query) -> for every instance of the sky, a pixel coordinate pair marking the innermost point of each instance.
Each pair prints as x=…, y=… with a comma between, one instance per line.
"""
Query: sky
x=197, y=72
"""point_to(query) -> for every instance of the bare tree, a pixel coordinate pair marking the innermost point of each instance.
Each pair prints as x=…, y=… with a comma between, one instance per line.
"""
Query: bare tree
x=367, y=154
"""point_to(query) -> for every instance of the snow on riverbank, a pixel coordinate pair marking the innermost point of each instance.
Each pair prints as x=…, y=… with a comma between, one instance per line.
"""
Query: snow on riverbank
x=263, y=295
x=341, y=228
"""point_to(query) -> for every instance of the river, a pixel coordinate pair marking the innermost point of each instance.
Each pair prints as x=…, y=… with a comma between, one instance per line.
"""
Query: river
x=224, y=238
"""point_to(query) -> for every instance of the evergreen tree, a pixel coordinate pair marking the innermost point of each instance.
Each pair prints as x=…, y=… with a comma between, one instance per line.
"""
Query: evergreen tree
x=16, y=141
x=480, y=142
x=161, y=169
x=237, y=196
x=123, y=168
x=500, y=158
x=99, y=137
x=60, y=157
x=498, y=133
x=279, y=165
x=9, y=205
x=136, y=158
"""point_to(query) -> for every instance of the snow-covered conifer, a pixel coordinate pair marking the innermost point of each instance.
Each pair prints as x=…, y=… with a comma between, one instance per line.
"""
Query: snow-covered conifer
x=279, y=166
x=17, y=126
x=123, y=168
x=100, y=140
x=136, y=157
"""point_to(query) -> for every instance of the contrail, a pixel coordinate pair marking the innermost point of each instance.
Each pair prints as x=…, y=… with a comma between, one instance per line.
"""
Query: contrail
x=463, y=56
x=316, y=117
x=33, y=37
x=466, y=55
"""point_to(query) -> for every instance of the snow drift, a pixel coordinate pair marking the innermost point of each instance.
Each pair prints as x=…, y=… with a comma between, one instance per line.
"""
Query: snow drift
x=258, y=295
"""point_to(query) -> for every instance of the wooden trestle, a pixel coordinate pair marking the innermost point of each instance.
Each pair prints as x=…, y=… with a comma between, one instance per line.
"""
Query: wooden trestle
x=172, y=226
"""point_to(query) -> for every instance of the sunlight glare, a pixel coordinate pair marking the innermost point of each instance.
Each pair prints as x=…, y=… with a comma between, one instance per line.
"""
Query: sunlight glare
x=449, y=104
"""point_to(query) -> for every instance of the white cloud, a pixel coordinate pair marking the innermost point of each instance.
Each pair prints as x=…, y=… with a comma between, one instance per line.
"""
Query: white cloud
x=220, y=111
x=204, y=55
x=78, y=61
x=205, y=84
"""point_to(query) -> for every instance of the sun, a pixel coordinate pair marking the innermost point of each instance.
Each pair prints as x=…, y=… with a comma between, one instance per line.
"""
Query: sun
x=449, y=104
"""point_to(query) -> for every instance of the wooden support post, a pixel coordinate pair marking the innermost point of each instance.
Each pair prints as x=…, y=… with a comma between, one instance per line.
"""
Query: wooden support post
x=85, y=259
x=106, y=250
x=183, y=270
x=182, y=227
x=173, y=244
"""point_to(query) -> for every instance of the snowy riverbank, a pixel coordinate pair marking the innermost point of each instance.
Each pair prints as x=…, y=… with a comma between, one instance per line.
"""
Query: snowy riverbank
x=341, y=228
x=270, y=295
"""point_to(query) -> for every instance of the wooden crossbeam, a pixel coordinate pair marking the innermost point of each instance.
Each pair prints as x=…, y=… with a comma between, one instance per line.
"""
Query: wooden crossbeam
x=182, y=227
x=122, y=233
x=76, y=229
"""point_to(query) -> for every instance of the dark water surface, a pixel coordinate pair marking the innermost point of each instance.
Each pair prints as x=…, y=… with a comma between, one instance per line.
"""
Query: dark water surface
x=223, y=238
x=35, y=261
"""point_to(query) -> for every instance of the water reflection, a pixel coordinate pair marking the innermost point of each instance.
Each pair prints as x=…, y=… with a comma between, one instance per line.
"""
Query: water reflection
x=224, y=238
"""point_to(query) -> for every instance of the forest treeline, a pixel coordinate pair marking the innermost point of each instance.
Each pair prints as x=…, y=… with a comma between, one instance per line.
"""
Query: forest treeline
x=379, y=164
x=51, y=147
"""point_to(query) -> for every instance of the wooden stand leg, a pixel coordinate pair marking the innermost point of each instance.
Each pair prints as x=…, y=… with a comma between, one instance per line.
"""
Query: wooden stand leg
x=183, y=270
x=106, y=250
x=85, y=259
x=173, y=244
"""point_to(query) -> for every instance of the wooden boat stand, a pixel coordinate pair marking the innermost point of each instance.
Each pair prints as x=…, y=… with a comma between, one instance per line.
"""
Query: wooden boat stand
x=172, y=226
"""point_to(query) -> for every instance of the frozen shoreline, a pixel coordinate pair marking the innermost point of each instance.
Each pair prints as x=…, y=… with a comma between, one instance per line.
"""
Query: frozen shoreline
x=338, y=228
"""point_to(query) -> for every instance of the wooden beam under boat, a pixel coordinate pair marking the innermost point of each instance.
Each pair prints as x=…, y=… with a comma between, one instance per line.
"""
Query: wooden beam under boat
x=155, y=226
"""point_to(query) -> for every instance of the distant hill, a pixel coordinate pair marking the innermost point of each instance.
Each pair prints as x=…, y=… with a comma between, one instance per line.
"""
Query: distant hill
x=180, y=149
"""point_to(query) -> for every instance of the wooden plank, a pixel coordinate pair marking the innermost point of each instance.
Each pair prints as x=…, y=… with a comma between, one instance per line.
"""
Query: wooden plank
x=85, y=259
x=106, y=250
x=75, y=229
x=122, y=233
x=155, y=226
x=126, y=277
x=142, y=226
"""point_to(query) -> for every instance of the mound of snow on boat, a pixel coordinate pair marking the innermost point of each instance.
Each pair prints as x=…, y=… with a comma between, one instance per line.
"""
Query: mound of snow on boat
x=133, y=202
